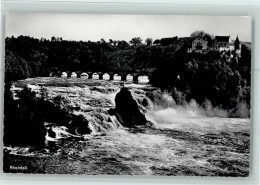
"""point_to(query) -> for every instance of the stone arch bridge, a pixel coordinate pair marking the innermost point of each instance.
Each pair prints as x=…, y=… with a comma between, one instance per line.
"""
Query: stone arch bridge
x=118, y=75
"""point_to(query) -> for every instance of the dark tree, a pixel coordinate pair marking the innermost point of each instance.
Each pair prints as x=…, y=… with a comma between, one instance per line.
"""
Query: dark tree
x=149, y=41
x=136, y=41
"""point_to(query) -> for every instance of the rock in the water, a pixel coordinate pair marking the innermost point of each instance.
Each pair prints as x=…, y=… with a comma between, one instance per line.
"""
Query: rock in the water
x=127, y=110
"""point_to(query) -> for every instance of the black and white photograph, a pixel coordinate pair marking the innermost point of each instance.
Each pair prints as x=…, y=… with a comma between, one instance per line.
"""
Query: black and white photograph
x=118, y=94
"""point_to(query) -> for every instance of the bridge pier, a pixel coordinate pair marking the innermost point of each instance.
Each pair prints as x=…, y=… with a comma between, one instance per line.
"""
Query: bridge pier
x=135, y=77
x=68, y=74
x=123, y=77
x=78, y=73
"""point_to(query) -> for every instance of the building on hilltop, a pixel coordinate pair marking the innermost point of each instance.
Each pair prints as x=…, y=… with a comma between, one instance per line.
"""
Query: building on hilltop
x=223, y=43
x=199, y=45
x=220, y=43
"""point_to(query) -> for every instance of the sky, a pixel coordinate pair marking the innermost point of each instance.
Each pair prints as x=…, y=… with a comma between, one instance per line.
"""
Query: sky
x=94, y=27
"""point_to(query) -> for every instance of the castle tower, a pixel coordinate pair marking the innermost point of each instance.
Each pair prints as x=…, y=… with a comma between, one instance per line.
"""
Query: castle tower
x=237, y=46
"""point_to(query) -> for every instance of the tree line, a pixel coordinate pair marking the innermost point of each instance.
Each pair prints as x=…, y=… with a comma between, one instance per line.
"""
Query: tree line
x=38, y=57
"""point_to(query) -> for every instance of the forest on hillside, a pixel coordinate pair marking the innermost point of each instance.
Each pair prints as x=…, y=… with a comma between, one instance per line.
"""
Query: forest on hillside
x=212, y=79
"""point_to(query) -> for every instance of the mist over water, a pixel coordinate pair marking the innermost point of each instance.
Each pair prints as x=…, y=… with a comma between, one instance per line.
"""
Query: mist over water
x=163, y=109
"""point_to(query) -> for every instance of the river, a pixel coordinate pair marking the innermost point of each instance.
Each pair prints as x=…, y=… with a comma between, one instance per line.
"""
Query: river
x=180, y=140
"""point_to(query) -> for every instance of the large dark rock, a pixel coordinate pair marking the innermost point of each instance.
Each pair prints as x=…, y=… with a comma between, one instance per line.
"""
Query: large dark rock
x=127, y=111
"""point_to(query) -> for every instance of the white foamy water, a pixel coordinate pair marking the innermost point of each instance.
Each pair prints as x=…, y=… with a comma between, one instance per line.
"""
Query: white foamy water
x=94, y=100
x=175, y=138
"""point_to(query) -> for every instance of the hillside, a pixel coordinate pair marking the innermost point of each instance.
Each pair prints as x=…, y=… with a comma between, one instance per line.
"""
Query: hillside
x=222, y=78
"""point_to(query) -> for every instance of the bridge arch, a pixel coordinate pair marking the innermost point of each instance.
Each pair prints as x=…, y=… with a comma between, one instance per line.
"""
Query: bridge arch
x=143, y=79
x=117, y=77
x=129, y=78
x=55, y=74
x=73, y=75
x=84, y=75
x=95, y=76
x=106, y=76
x=64, y=75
